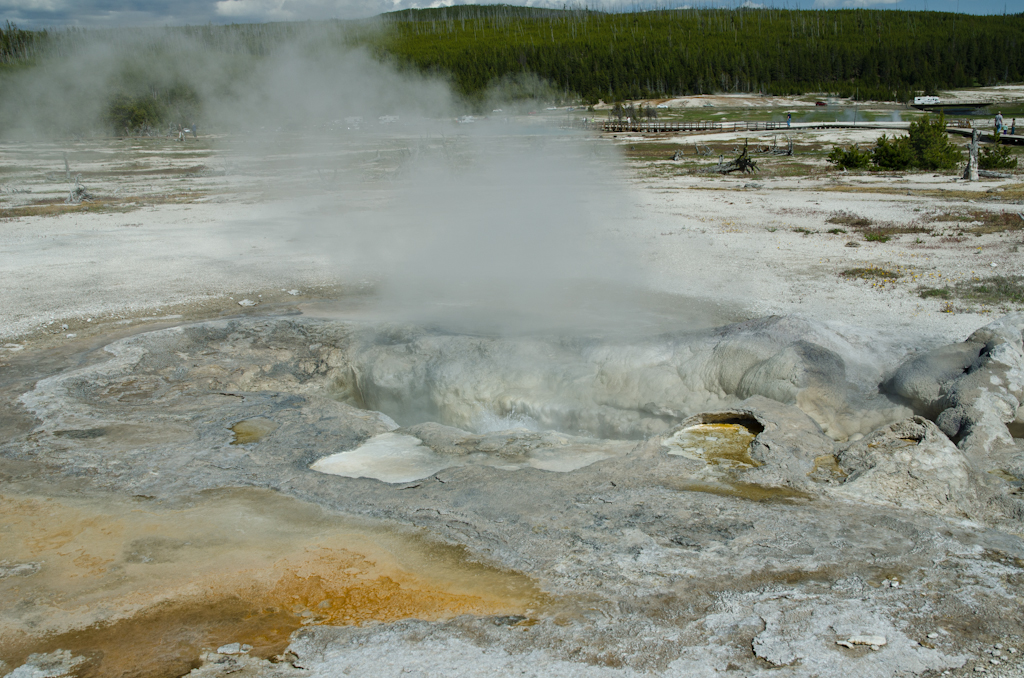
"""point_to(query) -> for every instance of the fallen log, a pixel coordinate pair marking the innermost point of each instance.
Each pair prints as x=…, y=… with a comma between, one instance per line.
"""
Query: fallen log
x=742, y=163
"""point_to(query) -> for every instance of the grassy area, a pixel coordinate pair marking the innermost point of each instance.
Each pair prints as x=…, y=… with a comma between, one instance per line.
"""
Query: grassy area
x=1010, y=193
x=872, y=273
x=982, y=221
x=843, y=218
x=56, y=206
x=873, y=232
x=999, y=291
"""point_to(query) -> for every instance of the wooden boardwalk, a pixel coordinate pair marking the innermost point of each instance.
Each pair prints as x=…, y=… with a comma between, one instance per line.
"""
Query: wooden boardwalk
x=958, y=126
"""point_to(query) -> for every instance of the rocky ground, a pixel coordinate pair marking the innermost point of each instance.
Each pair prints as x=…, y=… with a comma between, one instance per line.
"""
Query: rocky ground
x=273, y=411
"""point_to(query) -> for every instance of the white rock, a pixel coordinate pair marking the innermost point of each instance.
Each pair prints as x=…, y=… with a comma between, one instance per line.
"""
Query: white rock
x=294, y=293
x=234, y=648
x=845, y=643
x=247, y=302
x=868, y=640
x=58, y=664
x=993, y=661
x=933, y=635
x=72, y=335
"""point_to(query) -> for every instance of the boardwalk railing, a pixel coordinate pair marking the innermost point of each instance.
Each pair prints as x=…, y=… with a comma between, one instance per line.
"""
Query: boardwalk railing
x=655, y=126
x=660, y=126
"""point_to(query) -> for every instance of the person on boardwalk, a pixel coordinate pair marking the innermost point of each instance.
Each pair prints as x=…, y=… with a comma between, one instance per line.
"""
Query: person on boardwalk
x=999, y=122
x=1013, y=126
x=789, y=119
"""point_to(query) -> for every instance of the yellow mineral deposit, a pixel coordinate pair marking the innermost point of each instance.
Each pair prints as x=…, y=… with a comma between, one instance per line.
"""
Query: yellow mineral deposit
x=142, y=589
x=726, y=445
x=252, y=430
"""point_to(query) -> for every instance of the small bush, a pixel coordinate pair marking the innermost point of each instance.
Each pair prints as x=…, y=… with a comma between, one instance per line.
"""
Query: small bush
x=849, y=158
x=926, y=147
x=876, y=237
x=941, y=293
x=996, y=157
x=126, y=112
x=931, y=145
x=893, y=154
x=848, y=219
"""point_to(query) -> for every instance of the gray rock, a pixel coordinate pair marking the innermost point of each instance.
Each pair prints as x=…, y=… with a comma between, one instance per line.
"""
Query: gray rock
x=57, y=664
x=910, y=464
x=919, y=381
x=971, y=390
x=18, y=569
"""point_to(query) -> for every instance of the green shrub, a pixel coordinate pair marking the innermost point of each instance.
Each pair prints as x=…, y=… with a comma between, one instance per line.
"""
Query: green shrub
x=927, y=147
x=127, y=112
x=849, y=158
x=893, y=154
x=932, y=148
x=996, y=157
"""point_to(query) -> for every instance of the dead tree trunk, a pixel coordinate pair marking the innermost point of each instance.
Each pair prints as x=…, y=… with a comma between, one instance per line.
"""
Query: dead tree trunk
x=742, y=163
x=971, y=171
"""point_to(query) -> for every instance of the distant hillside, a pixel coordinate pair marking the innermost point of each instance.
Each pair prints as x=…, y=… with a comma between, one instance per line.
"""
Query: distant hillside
x=74, y=80
x=864, y=53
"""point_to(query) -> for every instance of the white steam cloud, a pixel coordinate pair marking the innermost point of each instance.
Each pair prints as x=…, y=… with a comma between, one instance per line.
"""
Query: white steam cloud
x=484, y=222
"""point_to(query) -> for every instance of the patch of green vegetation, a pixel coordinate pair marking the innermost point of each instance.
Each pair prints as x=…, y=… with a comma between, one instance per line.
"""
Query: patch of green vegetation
x=997, y=290
x=990, y=221
x=848, y=219
x=1010, y=192
x=935, y=292
x=836, y=231
x=883, y=232
x=805, y=231
x=926, y=147
x=871, y=273
x=996, y=157
x=849, y=158
x=55, y=207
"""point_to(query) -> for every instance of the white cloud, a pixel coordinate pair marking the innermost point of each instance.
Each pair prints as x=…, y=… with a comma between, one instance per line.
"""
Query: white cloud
x=750, y=4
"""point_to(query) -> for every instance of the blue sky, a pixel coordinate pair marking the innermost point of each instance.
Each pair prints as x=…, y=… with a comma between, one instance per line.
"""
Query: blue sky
x=46, y=13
